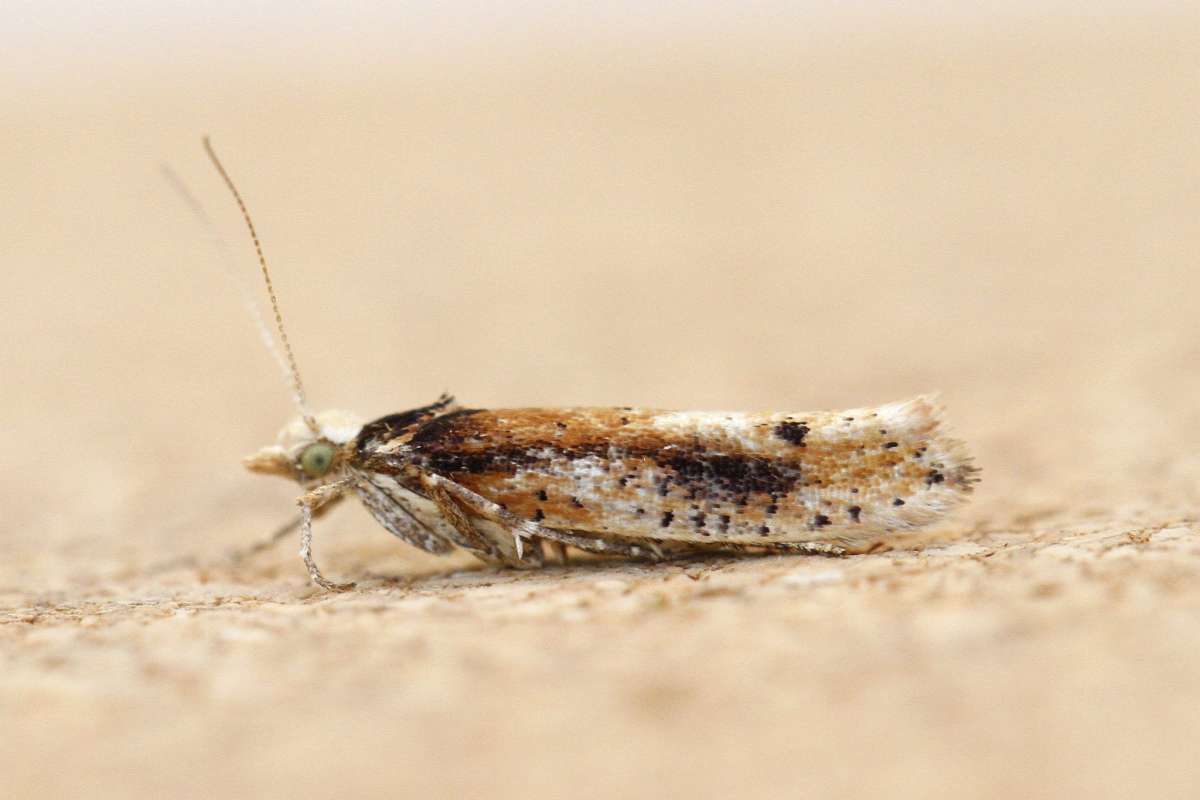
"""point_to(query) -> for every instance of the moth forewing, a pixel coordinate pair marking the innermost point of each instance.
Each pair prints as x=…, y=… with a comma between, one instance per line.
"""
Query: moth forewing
x=700, y=477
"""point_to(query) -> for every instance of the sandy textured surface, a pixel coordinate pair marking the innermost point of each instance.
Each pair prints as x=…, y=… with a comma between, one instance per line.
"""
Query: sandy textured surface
x=770, y=216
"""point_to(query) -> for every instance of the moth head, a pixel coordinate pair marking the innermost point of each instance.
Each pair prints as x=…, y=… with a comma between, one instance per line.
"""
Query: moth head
x=307, y=452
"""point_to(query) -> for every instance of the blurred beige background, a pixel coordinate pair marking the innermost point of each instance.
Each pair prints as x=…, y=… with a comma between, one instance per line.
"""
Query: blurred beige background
x=782, y=206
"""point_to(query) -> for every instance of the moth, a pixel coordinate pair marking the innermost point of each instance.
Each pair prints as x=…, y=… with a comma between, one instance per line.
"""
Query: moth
x=631, y=482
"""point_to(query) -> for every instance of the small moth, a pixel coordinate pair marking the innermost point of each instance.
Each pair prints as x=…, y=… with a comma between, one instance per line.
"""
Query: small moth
x=633, y=482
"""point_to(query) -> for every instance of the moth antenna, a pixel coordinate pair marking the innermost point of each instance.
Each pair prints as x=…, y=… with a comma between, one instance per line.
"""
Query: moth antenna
x=227, y=263
x=297, y=384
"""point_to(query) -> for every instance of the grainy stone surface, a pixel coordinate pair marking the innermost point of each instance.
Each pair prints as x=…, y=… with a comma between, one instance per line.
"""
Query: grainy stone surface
x=774, y=219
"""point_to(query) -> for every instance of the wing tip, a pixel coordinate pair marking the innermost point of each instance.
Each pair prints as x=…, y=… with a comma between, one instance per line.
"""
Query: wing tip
x=924, y=415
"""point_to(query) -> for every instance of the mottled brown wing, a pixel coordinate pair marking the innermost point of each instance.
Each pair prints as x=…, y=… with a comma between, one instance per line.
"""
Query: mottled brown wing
x=706, y=476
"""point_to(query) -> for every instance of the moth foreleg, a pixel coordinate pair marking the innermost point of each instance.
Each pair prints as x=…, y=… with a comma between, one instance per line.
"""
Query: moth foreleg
x=309, y=503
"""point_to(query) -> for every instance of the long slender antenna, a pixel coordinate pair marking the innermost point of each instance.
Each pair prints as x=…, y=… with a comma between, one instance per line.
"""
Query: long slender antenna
x=297, y=384
x=229, y=267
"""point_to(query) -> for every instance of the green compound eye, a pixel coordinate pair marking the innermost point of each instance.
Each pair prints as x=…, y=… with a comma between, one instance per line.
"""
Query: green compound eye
x=316, y=459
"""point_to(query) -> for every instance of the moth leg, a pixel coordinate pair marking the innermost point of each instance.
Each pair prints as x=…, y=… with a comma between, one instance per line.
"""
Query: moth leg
x=471, y=538
x=799, y=548
x=275, y=538
x=453, y=513
x=807, y=548
x=279, y=534
x=642, y=549
x=397, y=518
x=647, y=549
x=310, y=503
x=522, y=530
